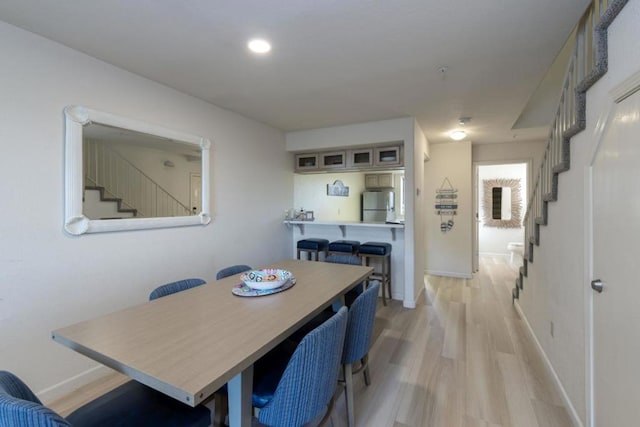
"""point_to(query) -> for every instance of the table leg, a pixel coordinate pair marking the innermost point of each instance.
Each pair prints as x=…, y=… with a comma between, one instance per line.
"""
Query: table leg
x=240, y=390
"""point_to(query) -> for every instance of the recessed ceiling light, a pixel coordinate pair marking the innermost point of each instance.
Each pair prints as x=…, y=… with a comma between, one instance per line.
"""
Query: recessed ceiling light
x=457, y=135
x=259, y=46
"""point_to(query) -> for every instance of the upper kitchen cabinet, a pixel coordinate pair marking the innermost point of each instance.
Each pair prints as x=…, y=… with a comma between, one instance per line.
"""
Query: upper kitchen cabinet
x=333, y=160
x=353, y=159
x=387, y=156
x=378, y=180
x=360, y=158
x=306, y=162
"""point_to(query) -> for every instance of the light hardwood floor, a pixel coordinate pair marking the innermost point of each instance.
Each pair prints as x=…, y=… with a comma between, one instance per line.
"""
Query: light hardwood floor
x=461, y=358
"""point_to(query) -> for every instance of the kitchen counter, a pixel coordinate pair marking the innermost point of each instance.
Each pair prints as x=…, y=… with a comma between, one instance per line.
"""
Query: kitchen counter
x=344, y=224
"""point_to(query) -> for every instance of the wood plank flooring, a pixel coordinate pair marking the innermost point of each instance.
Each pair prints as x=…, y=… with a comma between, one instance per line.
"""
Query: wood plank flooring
x=461, y=358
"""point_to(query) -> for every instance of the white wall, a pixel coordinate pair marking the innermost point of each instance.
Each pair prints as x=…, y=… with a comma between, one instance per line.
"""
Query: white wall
x=418, y=194
x=494, y=240
x=50, y=279
x=392, y=130
x=449, y=253
x=557, y=287
x=510, y=152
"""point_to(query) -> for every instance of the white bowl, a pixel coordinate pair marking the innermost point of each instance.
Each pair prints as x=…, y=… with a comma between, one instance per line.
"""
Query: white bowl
x=268, y=278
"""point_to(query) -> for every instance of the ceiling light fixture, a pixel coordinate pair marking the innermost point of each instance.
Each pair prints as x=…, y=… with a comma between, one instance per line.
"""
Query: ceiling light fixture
x=259, y=46
x=457, y=135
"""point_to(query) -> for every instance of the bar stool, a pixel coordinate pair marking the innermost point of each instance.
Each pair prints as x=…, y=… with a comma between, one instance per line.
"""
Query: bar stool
x=380, y=251
x=344, y=247
x=312, y=247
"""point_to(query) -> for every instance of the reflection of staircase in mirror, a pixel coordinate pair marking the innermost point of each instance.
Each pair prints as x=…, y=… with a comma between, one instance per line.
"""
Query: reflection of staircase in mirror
x=99, y=205
x=118, y=180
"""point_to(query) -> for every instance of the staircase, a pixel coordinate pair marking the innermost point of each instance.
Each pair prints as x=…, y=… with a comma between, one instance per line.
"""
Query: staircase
x=119, y=210
x=589, y=62
x=120, y=181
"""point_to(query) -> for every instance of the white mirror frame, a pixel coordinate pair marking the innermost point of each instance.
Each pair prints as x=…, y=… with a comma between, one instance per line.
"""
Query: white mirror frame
x=75, y=222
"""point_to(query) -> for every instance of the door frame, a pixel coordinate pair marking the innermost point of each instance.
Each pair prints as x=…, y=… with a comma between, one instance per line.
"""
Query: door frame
x=475, y=255
x=191, y=176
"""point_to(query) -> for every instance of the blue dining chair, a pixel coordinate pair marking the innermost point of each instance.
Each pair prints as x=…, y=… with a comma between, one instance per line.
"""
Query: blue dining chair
x=349, y=297
x=294, y=391
x=352, y=294
x=173, y=287
x=230, y=271
x=357, y=343
x=130, y=405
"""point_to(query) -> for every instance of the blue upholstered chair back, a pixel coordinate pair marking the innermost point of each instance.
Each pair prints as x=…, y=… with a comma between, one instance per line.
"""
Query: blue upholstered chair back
x=173, y=287
x=19, y=406
x=230, y=271
x=362, y=314
x=310, y=379
x=344, y=259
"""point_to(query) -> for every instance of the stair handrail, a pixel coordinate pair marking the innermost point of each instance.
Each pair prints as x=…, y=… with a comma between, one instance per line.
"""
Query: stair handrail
x=128, y=184
x=581, y=72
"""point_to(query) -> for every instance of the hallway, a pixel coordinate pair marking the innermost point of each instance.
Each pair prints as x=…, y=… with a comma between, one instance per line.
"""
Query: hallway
x=462, y=358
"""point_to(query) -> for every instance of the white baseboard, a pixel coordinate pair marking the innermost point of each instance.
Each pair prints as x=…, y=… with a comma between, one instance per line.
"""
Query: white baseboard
x=406, y=303
x=575, y=418
x=65, y=387
x=449, y=274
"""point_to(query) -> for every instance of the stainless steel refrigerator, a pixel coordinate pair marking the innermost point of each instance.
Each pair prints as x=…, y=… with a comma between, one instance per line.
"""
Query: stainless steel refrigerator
x=375, y=205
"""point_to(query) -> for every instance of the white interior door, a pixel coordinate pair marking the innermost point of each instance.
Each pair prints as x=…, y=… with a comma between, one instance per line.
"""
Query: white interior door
x=196, y=193
x=615, y=174
x=476, y=220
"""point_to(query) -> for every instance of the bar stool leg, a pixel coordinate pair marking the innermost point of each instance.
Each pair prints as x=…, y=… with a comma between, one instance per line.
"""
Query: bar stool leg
x=388, y=261
x=365, y=363
x=383, y=269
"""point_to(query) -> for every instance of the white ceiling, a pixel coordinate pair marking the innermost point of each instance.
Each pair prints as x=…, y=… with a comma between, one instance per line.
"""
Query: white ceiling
x=333, y=62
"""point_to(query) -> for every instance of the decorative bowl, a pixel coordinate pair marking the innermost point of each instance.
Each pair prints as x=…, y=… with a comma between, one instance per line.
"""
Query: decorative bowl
x=267, y=278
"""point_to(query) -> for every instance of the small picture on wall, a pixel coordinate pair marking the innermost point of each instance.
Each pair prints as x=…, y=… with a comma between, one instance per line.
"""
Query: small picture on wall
x=337, y=189
x=308, y=216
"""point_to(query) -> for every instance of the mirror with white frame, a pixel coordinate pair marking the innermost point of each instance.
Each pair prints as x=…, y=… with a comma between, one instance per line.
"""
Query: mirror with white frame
x=123, y=174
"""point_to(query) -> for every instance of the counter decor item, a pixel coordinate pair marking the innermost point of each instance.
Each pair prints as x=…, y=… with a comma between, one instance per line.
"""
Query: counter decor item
x=301, y=215
x=446, y=204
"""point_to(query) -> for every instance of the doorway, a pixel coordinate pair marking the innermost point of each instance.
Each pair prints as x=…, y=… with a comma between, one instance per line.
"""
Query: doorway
x=195, y=193
x=500, y=202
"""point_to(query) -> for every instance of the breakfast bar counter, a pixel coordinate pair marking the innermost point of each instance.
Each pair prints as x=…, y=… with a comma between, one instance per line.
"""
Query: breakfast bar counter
x=342, y=225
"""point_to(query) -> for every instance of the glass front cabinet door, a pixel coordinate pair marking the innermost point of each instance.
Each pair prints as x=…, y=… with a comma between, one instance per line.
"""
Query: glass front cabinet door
x=333, y=160
x=387, y=156
x=306, y=162
x=360, y=158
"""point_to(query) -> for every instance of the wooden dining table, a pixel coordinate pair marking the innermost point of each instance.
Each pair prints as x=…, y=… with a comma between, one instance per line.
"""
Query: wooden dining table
x=189, y=344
